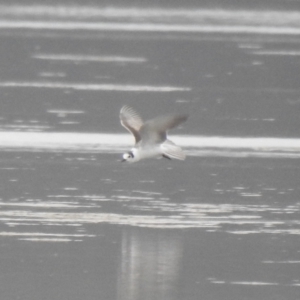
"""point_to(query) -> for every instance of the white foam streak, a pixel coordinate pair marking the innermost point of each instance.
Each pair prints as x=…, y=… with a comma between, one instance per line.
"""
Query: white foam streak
x=61, y=141
x=263, y=143
x=53, y=240
x=277, y=52
x=250, y=283
x=194, y=145
x=65, y=112
x=93, y=87
x=86, y=11
x=89, y=58
x=253, y=283
x=93, y=18
x=148, y=27
x=52, y=74
x=43, y=205
x=282, y=262
x=7, y=233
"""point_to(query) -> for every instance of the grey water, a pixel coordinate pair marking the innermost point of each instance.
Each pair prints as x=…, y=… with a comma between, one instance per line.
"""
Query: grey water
x=76, y=223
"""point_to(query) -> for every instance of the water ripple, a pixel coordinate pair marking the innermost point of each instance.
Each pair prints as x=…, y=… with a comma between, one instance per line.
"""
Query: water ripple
x=77, y=211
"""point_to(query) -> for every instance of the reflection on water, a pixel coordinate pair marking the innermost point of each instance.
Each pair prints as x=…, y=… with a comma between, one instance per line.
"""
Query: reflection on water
x=149, y=264
x=170, y=240
x=236, y=219
x=70, y=208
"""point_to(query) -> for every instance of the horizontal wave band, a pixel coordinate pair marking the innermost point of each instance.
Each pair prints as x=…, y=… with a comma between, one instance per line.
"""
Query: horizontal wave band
x=88, y=11
x=89, y=58
x=149, y=27
x=113, y=143
x=277, y=53
x=94, y=86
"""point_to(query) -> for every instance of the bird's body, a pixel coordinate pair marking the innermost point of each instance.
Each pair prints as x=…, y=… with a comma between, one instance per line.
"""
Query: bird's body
x=140, y=152
x=151, y=136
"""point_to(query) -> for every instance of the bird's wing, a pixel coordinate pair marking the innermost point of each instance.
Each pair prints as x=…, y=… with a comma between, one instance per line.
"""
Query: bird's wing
x=155, y=130
x=171, y=150
x=131, y=120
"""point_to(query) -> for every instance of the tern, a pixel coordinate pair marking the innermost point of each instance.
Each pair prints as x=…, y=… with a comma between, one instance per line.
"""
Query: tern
x=151, y=136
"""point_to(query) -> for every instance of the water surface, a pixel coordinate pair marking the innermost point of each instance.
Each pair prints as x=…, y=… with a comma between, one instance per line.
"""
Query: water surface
x=77, y=223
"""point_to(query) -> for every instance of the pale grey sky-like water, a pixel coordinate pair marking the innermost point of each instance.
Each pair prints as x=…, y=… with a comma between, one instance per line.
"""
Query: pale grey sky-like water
x=76, y=223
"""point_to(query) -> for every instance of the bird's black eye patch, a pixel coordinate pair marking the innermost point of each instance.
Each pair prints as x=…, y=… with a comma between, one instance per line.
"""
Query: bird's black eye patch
x=131, y=154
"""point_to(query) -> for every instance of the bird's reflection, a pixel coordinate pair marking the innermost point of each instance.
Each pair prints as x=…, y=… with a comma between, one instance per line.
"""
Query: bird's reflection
x=149, y=264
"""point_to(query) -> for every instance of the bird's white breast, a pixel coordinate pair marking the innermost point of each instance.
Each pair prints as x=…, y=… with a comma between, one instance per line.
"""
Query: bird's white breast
x=146, y=152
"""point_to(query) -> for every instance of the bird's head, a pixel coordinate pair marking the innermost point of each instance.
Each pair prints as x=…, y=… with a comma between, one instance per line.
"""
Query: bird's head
x=128, y=157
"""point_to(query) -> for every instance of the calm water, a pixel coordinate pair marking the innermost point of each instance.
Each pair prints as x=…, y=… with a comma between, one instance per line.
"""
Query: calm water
x=75, y=223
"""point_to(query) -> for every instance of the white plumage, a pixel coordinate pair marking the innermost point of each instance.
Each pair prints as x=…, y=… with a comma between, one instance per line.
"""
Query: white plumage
x=151, y=136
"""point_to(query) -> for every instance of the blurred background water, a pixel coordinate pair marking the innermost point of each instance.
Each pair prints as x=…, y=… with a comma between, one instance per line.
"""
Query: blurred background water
x=75, y=223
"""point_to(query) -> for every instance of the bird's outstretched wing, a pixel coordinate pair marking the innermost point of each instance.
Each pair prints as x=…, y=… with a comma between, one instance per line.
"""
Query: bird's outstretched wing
x=170, y=150
x=131, y=120
x=155, y=130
